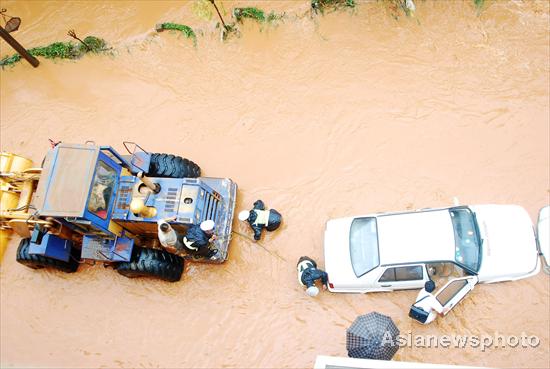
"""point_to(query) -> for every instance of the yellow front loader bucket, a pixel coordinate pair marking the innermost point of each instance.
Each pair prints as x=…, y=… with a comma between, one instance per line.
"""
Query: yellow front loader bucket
x=16, y=188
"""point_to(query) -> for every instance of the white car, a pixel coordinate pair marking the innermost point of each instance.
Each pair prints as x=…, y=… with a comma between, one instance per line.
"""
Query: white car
x=391, y=251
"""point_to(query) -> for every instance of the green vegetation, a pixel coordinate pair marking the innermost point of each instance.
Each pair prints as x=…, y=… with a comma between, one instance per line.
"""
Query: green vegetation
x=323, y=5
x=186, y=30
x=202, y=9
x=61, y=50
x=256, y=14
x=479, y=5
x=94, y=44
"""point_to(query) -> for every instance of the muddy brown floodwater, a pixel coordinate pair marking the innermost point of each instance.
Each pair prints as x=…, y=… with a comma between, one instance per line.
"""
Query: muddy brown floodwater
x=334, y=116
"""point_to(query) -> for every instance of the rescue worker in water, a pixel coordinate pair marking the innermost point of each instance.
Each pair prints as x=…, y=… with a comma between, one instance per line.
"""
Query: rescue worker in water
x=259, y=218
x=308, y=274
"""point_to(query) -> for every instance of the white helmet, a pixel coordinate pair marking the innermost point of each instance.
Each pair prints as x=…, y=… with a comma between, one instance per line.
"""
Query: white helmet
x=312, y=291
x=208, y=225
x=243, y=215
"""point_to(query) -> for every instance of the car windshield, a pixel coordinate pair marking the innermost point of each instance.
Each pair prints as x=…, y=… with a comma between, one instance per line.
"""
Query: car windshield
x=363, y=243
x=467, y=241
x=102, y=190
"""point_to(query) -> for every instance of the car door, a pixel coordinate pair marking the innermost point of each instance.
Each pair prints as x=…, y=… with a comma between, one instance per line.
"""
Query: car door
x=400, y=277
x=454, y=291
x=543, y=237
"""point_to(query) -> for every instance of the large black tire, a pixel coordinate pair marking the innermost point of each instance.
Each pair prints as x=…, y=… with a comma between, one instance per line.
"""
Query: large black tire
x=152, y=263
x=39, y=261
x=171, y=166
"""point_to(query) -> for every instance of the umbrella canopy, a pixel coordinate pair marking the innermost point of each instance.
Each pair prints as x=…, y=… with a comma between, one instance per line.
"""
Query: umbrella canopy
x=372, y=336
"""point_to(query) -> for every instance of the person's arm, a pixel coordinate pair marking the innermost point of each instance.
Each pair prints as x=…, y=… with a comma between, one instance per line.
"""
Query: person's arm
x=324, y=278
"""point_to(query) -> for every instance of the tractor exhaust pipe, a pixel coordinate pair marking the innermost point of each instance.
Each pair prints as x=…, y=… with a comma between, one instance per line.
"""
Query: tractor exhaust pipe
x=155, y=187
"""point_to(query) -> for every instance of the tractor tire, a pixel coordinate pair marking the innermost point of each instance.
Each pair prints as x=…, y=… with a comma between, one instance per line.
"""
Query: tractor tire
x=171, y=166
x=152, y=263
x=39, y=261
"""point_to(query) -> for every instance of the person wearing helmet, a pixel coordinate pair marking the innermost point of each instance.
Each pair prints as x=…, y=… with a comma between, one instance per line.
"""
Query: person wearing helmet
x=259, y=218
x=308, y=273
x=426, y=307
x=198, y=238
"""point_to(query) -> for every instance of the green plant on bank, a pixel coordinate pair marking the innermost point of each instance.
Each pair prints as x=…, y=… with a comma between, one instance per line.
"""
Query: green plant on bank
x=322, y=5
x=185, y=30
x=256, y=14
x=61, y=50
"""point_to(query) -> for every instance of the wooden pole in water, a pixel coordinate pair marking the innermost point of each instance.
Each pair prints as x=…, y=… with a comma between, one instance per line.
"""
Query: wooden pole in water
x=18, y=47
x=219, y=14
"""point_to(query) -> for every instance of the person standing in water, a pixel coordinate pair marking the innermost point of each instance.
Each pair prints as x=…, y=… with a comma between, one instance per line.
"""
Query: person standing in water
x=308, y=274
x=260, y=218
x=428, y=304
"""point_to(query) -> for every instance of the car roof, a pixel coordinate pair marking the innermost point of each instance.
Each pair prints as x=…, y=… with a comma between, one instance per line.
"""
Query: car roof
x=421, y=236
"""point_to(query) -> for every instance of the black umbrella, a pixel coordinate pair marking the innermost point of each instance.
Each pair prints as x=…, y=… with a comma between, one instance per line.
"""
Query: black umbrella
x=372, y=336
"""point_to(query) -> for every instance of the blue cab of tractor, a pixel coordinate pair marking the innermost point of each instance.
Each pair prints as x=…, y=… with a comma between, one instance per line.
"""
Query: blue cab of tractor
x=98, y=205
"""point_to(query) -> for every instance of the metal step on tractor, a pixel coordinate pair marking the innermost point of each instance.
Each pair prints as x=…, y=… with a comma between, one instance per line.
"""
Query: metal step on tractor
x=88, y=203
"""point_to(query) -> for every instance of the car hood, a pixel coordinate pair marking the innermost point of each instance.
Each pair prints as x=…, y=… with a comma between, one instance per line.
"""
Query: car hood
x=337, y=255
x=509, y=249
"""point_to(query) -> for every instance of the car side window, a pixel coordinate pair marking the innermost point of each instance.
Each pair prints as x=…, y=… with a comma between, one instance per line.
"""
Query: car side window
x=388, y=276
x=400, y=274
x=410, y=273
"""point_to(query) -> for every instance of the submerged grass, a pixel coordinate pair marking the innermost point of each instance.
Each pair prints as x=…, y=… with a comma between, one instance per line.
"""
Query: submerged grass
x=256, y=14
x=61, y=50
x=94, y=44
x=185, y=30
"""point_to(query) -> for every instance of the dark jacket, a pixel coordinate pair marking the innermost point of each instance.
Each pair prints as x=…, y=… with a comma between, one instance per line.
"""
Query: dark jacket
x=200, y=240
x=311, y=274
x=274, y=219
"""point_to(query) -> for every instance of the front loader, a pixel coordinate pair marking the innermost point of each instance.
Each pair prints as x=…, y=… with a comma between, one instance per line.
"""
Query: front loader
x=89, y=203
